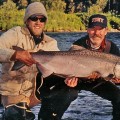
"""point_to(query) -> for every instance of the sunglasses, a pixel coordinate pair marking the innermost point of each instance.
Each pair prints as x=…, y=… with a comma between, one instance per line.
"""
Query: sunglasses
x=43, y=19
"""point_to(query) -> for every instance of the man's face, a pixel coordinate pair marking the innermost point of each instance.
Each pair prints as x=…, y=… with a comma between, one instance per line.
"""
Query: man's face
x=97, y=34
x=36, y=24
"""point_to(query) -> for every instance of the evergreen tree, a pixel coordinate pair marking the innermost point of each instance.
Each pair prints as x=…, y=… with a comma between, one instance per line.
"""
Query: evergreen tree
x=56, y=5
x=98, y=7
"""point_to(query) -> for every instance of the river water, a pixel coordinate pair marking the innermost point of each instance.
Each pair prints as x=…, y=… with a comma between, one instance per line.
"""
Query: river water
x=87, y=106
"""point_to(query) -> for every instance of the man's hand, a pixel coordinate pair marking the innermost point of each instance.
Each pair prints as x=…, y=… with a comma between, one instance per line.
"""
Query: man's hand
x=71, y=81
x=23, y=56
x=94, y=75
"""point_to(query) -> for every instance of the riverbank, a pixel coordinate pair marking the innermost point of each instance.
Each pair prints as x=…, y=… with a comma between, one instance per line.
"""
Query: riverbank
x=60, y=31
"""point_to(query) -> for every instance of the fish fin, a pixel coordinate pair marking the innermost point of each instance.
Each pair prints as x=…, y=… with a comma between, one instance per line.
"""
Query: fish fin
x=17, y=65
x=63, y=76
x=17, y=48
x=45, y=72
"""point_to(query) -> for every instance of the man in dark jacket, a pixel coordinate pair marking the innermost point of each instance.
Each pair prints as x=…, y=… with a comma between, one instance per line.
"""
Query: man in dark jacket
x=96, y=41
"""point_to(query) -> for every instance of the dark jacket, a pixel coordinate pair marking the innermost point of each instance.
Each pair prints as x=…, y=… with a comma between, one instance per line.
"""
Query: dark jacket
x=113, y=49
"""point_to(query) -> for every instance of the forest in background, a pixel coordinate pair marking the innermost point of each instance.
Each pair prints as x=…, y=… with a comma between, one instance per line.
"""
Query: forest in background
x=63, y=15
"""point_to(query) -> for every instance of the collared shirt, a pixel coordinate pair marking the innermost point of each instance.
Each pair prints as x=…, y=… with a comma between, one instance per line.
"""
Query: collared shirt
x=104, y=47
x=100, y=48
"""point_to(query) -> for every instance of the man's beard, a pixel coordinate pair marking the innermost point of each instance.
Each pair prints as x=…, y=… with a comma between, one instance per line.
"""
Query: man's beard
x=97, y=36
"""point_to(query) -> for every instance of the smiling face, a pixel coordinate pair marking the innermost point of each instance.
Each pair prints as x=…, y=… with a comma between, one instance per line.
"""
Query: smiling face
x=97, y=35
x=36, y=24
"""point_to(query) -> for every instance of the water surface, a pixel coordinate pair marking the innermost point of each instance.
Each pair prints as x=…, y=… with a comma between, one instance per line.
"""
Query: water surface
x=87, y=106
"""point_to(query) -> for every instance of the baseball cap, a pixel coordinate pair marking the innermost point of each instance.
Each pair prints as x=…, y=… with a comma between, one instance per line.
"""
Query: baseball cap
x=97, y=20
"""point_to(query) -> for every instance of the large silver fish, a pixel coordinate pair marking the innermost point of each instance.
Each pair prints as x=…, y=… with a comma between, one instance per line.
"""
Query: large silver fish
x=80, y=63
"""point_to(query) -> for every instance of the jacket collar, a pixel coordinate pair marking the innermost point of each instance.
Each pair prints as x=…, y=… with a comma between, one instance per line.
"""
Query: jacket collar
x=26, y=31
x=101, y=48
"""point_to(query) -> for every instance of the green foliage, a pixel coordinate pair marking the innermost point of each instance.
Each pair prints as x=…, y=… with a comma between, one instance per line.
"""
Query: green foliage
x=9, y=15
x=22, y=4
x=113, y=22
x=35, y=0
x=59, y=21
x=84, y=18
x=102, y=4
x=54, y=5
x=94, y=9
x=98, y=7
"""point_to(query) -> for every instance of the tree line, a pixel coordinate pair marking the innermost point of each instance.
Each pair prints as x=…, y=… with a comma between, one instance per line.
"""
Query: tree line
x=72, y=6
x=74, y=15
